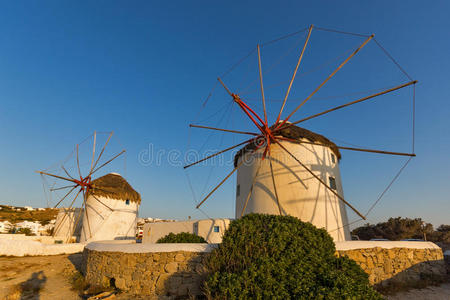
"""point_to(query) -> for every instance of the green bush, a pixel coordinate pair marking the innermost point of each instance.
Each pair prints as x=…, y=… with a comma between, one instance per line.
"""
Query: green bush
x=281, y=257
x=183, y=237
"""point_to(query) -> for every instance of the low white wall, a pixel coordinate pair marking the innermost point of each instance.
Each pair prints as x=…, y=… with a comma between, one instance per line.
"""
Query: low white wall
x=130, y=247
x=22, y=237
x=352, y=245
x=34, y=248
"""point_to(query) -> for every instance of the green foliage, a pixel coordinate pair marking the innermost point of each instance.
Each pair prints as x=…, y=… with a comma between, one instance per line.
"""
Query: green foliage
x=281, y=257
x=404, y=228
x=183, y=237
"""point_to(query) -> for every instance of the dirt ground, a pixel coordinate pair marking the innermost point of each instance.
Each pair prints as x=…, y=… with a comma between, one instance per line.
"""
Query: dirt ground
x=48, y=277
x=38, y=277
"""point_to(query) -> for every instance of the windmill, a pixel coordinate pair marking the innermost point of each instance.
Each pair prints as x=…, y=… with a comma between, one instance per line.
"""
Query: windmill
x=285, y=169
x=76, y=186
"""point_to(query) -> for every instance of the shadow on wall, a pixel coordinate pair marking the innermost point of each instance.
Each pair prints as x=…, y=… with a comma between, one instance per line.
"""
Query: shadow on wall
x=418, y=276
x=186, y=283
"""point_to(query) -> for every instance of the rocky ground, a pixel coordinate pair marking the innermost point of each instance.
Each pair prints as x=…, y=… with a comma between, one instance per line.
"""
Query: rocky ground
x=51, y=277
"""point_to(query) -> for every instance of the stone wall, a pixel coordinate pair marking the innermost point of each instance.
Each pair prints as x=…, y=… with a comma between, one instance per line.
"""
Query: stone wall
x=398, y=265
x=165, y=273
x=175, y=270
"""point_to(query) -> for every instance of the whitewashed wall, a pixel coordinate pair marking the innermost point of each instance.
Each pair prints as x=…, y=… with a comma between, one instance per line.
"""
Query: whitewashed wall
x=102, y=223
x=299, y=193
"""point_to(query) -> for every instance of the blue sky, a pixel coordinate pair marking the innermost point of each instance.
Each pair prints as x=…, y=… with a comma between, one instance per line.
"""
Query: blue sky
x=143, y=69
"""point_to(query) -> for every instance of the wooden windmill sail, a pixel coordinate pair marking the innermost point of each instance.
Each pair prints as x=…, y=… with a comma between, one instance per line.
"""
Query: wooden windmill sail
x=79, y=186
x=274, y=149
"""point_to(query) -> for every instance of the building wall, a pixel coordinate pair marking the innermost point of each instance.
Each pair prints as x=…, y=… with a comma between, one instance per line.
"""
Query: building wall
x=300, y=194
x=203, y=228
x=112, y=220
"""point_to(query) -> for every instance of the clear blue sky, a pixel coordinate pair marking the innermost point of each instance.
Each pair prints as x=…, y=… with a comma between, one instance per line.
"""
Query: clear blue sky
x=143, y=69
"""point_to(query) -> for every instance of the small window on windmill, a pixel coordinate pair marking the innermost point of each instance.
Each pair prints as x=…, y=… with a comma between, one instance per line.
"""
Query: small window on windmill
x=127, y=202
x=238, y=190
x=216, y=229
x=332, y=182
x=333, y=158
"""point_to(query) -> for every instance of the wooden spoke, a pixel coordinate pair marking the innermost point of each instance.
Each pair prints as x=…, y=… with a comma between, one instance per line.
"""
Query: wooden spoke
x=353, y=102
x=62, y=188
x=121, y=152
x=275, y=186
x=78, y=164
x=262, y=85
x=226, y=88
x=293, y=75
x=65, y=171
x=217, y=153
x=251, y=188
x=328, y=78
x=223, y=180
x=56, y=176
x=377, y=151
x=65, y=196
x=220, y=129
x=350, y=148
x=87, y=214
x=93, y=150
x=101, y=153
x=321, y=181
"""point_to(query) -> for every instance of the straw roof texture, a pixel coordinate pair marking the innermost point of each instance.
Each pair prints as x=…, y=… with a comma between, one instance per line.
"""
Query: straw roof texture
x=114, y=186
x=295, y=133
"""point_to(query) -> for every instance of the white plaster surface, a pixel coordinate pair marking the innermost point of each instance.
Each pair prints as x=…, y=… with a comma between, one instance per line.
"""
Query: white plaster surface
x=22, y=237
x=300, y=194
x=129, y=247
x=33, y=248
x=351, y=245
x=108, y=219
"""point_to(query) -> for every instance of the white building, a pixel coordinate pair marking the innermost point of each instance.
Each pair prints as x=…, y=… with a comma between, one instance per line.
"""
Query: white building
x=5, y=226
x=211, y=230
x=111, y=210
x=33, y=226
x=299, y=193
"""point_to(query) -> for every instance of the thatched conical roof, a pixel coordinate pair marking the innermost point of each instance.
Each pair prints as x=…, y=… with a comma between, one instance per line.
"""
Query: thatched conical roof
x=295, y=133
x=114, y=186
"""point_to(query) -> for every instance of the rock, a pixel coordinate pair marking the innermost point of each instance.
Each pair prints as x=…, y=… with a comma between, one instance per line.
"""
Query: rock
x=121, y=284
x=171, y=267
x=179, y=257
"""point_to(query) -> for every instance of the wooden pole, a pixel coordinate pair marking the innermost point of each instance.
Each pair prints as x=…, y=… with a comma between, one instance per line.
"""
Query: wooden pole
x=67, y=173
x=217, y=153
x=220, y=129
x=101, y=153
x=350, y=148
x=321, y=181
x=121, y=152
x=226, y=88
x=262, y=86
x=353, y=102
x=64, y=197
x=56, y=176
x=293, y=75
x=93, y=150
x=62, y=188
x=223, y=180
x=78, y=164
x=328, y=78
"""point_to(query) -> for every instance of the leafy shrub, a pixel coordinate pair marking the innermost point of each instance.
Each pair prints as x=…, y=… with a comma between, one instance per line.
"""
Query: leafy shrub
x=183, y=237
x=281, y=257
